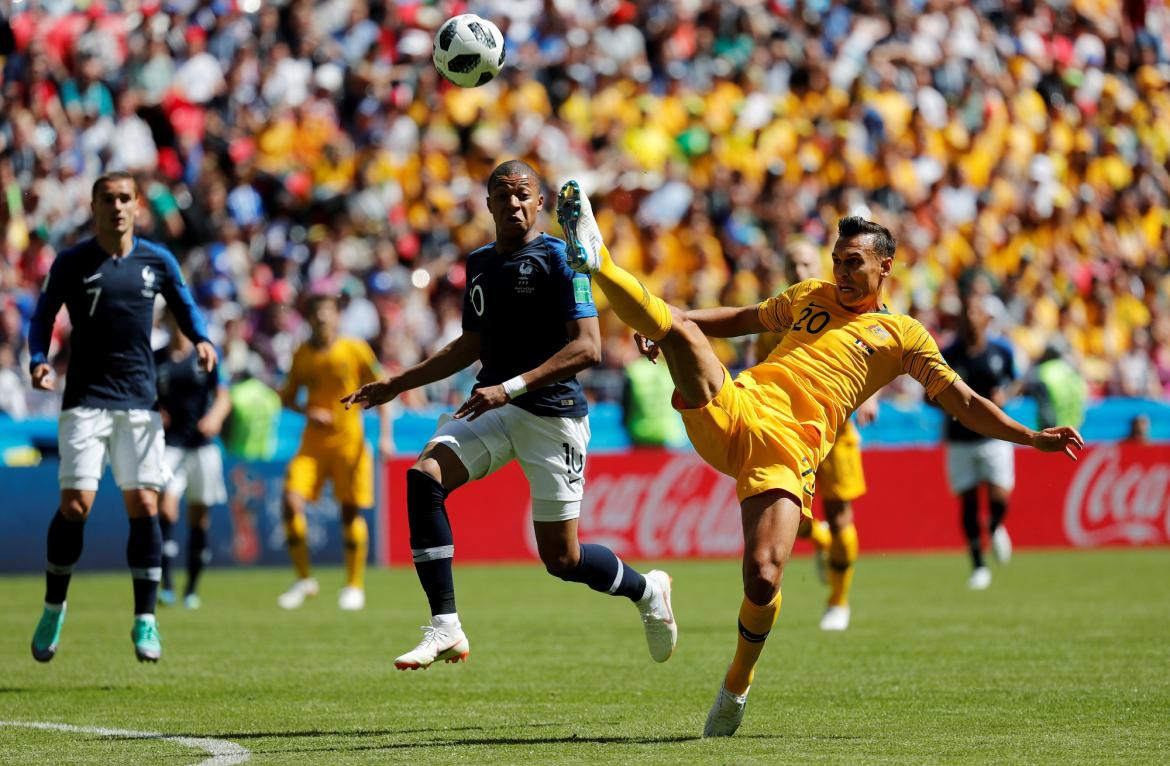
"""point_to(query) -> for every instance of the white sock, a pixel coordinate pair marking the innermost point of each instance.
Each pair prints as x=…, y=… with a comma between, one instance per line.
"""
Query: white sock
x=647, y=594
x=55, y=607
x=145, y=617
x=446, y=621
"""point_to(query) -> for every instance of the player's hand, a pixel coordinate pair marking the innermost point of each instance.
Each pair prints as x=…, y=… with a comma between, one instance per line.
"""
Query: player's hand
x=867, y=411
x=647, y=347
x=207, y=356
x=482, y=400
x=319, y=416
x=209, y=426
x=42, y=377
x=371, y=394
x=1059, y=439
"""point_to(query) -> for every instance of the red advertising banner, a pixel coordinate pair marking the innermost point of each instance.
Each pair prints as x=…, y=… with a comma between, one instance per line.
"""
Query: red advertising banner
x=657, y=504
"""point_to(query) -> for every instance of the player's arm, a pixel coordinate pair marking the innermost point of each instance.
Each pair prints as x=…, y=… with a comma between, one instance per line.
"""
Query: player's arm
x=582, y=351
x=190, y=321
x=983, y=417
x=40, y=331
x=455, y=356
x=212, y=423
x=728, y=321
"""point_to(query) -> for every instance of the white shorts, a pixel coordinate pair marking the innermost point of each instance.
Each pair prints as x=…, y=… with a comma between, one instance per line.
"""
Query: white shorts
x=197, y=474
x=550, y=450
x=131, y=440
x=969, y=464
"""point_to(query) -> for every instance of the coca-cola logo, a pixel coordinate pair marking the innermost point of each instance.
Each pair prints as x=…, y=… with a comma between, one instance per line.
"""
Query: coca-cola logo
x=668, y=508
x=1110, y=501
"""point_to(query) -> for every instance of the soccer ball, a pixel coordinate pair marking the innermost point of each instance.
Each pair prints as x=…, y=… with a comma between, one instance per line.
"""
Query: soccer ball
x=469, y=50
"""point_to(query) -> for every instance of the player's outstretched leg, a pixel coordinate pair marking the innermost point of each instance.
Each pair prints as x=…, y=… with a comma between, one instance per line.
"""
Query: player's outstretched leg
x=631, y=301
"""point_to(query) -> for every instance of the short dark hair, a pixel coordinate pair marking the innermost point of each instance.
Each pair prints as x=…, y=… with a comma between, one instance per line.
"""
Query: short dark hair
x=512, y=168
x=855, y=225
x=318, y=296
x=113, y=175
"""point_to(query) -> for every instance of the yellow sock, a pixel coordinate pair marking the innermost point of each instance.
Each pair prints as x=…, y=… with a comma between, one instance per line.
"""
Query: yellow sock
x=355, y=540
x=755, y=622
x=296, y=532
x=842, y=556
x=631, y=301
x=817, y=532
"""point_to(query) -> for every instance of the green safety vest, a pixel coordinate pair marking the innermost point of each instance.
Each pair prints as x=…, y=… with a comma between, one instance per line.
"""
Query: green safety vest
x=251, y=432
x=1066, y=393
x=649, y=415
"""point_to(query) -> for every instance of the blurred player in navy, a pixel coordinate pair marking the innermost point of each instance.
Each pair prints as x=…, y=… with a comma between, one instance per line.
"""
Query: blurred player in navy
x=532, y=324
x=973, y=460
x=193, y=403
x=109, y=412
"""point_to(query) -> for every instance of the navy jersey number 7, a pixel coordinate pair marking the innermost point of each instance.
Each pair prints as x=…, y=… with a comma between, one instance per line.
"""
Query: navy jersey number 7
x=111, y=308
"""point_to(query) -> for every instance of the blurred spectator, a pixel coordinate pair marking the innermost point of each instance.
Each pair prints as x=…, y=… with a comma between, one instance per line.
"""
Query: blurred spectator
x=647, y=412
x=311, y=141
x=1059, y=390
x=1139, y=430
x=12, y=401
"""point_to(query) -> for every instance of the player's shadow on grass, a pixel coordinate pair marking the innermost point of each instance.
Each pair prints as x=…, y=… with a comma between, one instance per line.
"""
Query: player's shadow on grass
x=56, y=690
x=497, y=741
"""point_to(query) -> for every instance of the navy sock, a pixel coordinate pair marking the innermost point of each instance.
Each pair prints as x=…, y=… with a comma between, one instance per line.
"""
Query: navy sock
x=431, y=543
x=197, y=555
x=64, y=549
x=144, y=555
x=170, y=550
x=970, y=501
x=603, y=571
x=998, y=510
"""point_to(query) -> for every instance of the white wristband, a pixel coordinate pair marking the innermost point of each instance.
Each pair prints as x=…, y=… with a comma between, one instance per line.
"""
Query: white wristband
x=515, y=387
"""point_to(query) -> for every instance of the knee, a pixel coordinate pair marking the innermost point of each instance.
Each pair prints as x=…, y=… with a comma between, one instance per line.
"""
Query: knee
x=560, y=563
x=428, y=466
x=762, y=574
x=143, y=502
x=75, y=508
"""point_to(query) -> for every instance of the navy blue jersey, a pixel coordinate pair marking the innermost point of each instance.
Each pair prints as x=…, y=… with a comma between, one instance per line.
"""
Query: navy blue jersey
x=519, y=304
x=186, y=392
x=111, y=307
x=984, y=371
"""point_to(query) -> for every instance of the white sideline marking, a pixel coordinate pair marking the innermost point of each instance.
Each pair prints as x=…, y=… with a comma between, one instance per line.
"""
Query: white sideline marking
x=222, y=752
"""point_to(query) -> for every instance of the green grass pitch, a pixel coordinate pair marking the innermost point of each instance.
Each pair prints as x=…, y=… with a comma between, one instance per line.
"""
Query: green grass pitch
x=1066, y=659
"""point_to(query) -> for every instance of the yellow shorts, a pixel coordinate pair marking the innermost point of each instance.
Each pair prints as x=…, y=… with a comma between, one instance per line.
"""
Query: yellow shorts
x=759, y=442
x=352, y=475
x=840, y=476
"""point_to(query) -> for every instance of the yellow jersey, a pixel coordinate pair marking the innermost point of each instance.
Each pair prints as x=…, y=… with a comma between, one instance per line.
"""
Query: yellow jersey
x=329, y=374
x=830, y=359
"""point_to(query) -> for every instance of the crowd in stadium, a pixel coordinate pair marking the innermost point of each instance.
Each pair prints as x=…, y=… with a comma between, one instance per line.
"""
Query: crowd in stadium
x=283, y=148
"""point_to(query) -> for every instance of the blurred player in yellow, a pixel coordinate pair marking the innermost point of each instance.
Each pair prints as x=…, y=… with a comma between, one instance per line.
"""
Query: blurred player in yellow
x=840, y=478
x=332, y=448
x=770, y=427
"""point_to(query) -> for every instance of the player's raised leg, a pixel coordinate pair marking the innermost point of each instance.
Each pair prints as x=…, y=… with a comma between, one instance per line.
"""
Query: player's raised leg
x=65, y=537
x=428, y=482
x=633, y=303
x=770, y=521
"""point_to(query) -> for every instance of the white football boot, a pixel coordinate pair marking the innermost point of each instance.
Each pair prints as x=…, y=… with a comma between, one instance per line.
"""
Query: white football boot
x=980, y=579
x=439, y=643
x=351, y=599
x=1001, y=545
x=835, y=618
x=575, y=215
x=297, y=593
x=658, y=617
x=726, y=714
